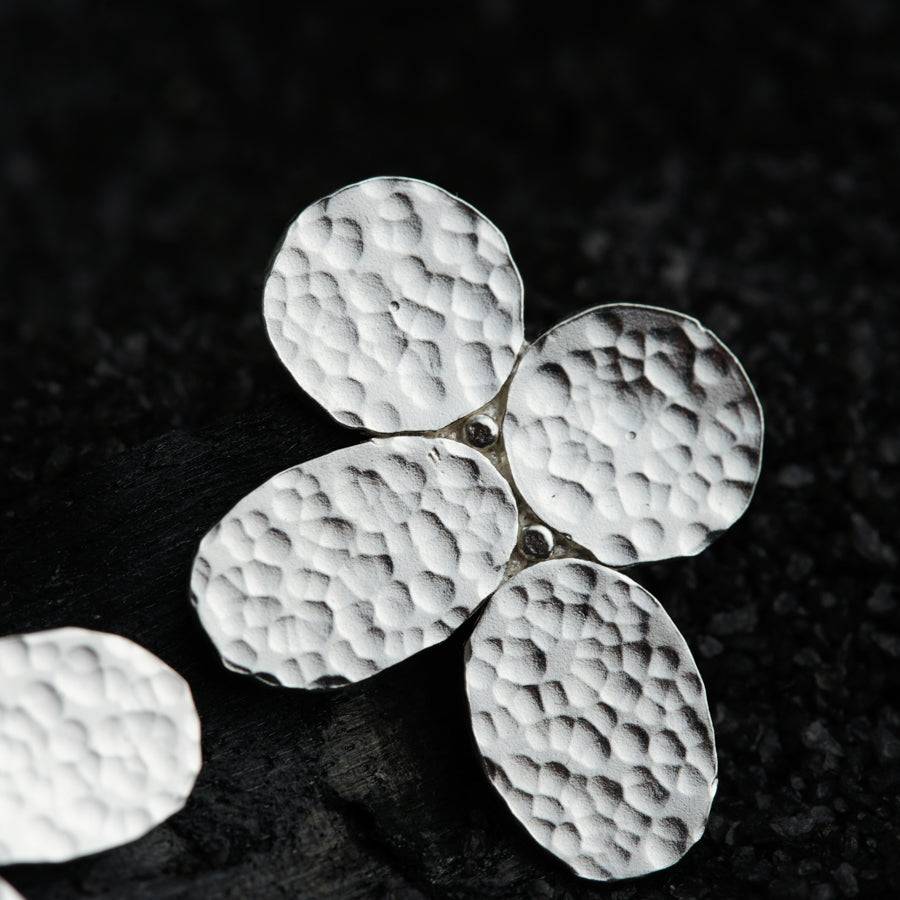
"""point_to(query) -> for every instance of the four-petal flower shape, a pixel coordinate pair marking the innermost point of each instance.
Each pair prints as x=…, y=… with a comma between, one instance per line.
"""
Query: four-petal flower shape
x=623, y=435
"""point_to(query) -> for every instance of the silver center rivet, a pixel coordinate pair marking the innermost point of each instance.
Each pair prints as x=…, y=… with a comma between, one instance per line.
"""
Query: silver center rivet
x=537, y=541
x=481, y=431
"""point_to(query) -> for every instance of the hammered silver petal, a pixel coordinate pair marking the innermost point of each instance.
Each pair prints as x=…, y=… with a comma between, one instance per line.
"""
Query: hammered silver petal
x=395, y=305
x=592, y=719
x=340, y=567
x=634, y=431
x=99, y=743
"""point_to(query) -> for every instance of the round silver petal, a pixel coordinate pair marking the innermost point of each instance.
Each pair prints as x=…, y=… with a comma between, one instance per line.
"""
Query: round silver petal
x=396, y=305
x=99, y=743
x=635, y=431
x=338, y=568
x=592, y=719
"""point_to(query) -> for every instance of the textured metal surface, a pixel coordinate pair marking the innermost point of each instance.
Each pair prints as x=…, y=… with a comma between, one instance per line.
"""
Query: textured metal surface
x=592, y=719
x=338, y=568
x=395, y=305
x=99, y=742
x=8, y=892
x=635, y=431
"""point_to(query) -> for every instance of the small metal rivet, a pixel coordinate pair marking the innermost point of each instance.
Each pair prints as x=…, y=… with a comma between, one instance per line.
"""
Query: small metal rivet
x=537, y=541
x=481, y=431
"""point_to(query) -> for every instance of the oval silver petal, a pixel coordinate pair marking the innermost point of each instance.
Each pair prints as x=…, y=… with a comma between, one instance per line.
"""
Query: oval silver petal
x=99, y=743
x=592, y=719
x=635, y=431
x=340, y=567
x=395, y=305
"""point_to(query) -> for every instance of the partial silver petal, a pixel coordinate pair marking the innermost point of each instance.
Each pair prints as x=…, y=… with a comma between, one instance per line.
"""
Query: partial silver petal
x=396, y=305
x=592, y=719
x=8, y=892
x=635, y=431
x=340, y=567
x=99, y=743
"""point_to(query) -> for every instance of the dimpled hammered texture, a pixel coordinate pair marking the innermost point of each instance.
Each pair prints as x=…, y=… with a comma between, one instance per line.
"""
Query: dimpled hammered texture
x=592, y=719
x=629, y=430
x=99, y=742
x=340, y=567
x=635, y=431
x=395, y=305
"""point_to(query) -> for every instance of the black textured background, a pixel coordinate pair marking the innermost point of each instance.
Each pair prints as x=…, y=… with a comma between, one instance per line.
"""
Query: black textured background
x=737, y=161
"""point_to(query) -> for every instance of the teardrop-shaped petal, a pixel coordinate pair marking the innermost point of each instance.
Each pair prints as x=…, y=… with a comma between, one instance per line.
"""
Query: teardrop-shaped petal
x=395, y=305
x=592, y=719
x=635, y=431
x=340, y=567
x=99, y=743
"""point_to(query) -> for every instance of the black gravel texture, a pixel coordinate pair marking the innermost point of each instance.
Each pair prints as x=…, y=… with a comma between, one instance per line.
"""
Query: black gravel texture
x=737, y=161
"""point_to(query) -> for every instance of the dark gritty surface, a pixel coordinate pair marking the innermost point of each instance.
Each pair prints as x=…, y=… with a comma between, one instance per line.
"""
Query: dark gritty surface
x=737, y=162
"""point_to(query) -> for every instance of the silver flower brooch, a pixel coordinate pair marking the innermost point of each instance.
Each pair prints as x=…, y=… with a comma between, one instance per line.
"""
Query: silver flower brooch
x=521, y=475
